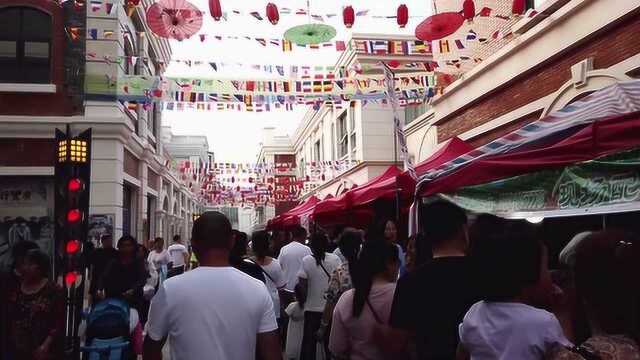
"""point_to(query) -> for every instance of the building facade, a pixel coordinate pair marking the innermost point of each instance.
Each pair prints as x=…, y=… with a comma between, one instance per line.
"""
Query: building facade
x=568, y=50
x=132, y=187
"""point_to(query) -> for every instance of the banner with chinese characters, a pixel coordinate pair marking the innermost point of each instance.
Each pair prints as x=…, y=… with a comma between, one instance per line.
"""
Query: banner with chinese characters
x=608, y=184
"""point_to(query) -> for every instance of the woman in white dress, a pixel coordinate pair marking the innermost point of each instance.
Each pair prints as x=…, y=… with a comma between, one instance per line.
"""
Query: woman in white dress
x=270, y=267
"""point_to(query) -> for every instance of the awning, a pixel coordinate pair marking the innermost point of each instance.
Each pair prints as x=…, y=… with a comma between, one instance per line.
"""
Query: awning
x=293, y=217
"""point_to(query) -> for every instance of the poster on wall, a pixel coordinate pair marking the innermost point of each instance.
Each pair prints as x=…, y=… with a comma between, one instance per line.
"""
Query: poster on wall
x=26, y=214
x=99, y=226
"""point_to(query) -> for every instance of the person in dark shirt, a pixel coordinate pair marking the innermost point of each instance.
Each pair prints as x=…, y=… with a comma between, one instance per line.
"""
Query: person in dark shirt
x=237, y=257
x=99, y=260
x=125, y=276
x=430, y=302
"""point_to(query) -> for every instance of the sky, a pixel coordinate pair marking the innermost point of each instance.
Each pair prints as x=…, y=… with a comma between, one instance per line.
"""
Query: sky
x=235, y=136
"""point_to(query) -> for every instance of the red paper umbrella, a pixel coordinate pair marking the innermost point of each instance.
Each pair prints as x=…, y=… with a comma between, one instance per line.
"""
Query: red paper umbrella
x=348, y=16
x=272, y=13
x=177, y=19
x=402, y=15
x=215, y=9
x=438, y=26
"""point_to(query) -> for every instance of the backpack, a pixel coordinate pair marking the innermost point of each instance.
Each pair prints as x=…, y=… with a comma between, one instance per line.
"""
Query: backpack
x=108, y=319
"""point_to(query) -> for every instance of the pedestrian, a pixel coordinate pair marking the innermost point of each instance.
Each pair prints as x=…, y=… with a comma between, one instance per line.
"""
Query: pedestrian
x=214, y=311
x=125, y=276
x=607, y=265
x=36, y=312
x=270, y=267
x=431, y=301
x=360, y=320
x=295, y=330
x=349, y=245
x=290, y=259
x=387, y=229
x=313, y=283
x=99, y=260
x=513, y=278
x=159, y=259
x=179, y=257
x=238, y=257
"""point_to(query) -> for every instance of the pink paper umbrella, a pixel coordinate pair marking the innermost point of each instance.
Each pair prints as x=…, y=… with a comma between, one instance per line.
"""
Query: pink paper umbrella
x=176, y=19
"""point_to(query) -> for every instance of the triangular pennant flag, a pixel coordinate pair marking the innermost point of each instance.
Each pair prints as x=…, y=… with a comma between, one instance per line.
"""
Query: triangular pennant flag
x=256, y=15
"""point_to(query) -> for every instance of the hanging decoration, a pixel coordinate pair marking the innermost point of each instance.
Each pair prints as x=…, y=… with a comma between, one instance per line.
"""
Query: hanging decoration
x=348, y=16
x=130, y=5
x=215, y=9
x=483, y=27
x=310, y=34
x=468, y=10
x=402, y=16
x=272, y=13
x=176, y=19
x=518, y=7
x=438, y=26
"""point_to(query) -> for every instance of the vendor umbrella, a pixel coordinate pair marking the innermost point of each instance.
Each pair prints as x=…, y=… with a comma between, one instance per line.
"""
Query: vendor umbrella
x=177, y=19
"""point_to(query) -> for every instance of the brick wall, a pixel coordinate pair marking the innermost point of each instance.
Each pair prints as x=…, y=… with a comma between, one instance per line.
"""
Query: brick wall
x=607, y=47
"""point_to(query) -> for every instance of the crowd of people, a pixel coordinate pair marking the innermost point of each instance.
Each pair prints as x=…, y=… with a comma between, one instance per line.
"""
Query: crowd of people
x=461, y=289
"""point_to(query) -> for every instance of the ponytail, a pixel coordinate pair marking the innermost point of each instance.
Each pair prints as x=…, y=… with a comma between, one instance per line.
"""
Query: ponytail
x=319, y=243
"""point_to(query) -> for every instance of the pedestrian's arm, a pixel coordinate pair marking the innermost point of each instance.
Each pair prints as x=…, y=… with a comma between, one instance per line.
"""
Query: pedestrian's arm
x=268, y=345
x=157, y=326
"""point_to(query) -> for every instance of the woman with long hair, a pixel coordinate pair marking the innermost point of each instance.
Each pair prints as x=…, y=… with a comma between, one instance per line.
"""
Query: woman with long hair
x=270, y=267
x=387, y=229
x=361, y=315
x=349, y=244
x=313, y=283
x=36, y=311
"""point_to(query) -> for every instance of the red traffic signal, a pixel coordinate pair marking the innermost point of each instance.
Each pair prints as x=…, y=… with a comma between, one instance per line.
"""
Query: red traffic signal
x=75, y=185
x=70, y=278
x=74, y=215
x=73, y=246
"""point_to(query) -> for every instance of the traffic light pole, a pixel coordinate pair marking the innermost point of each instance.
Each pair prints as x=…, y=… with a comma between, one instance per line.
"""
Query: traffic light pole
x=72, y=181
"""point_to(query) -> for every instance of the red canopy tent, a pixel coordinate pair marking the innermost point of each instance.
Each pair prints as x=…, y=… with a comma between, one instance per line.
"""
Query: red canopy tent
x=293, y=216
x=600, y=138
x=355, y=205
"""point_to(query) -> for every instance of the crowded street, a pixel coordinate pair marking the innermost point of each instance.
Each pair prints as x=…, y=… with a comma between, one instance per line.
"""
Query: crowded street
x=319, y=180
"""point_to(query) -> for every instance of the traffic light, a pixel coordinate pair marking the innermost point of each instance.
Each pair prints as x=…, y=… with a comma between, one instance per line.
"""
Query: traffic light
x=72, y=178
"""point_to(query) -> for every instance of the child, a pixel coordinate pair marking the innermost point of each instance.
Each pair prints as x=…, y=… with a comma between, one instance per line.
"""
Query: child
x=295, y=330
x=506, y=325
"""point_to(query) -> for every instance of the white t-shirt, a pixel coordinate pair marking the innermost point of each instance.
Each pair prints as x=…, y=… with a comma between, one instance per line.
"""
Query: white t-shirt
x=275, y=281
x=318, y=280
x=158, y=259
x=506, y=331
x=211, y=313
x=291, y=262
x=176, y=252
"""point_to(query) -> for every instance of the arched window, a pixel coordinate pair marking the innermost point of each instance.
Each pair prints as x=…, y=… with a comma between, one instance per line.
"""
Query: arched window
x=25, y=45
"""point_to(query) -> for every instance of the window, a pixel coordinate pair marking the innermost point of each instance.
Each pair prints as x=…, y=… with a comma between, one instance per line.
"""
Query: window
x=25, y=46
x=333, y=141
x=412, y=112
x=127, y=211
x=316, y=151
x=342, y=135
x=352, y=126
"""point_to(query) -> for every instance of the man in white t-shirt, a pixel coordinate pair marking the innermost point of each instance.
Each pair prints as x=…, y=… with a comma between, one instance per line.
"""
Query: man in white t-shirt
x=214, y=311
x=291, y=256
x=179, y=256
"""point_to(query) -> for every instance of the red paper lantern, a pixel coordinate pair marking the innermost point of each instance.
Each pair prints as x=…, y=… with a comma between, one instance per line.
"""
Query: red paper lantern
x=393, y=64
x=348, y=16
x=468, y=9
x=215, y=9
x=272, y=13
x=402, y=15
x=518, y=7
